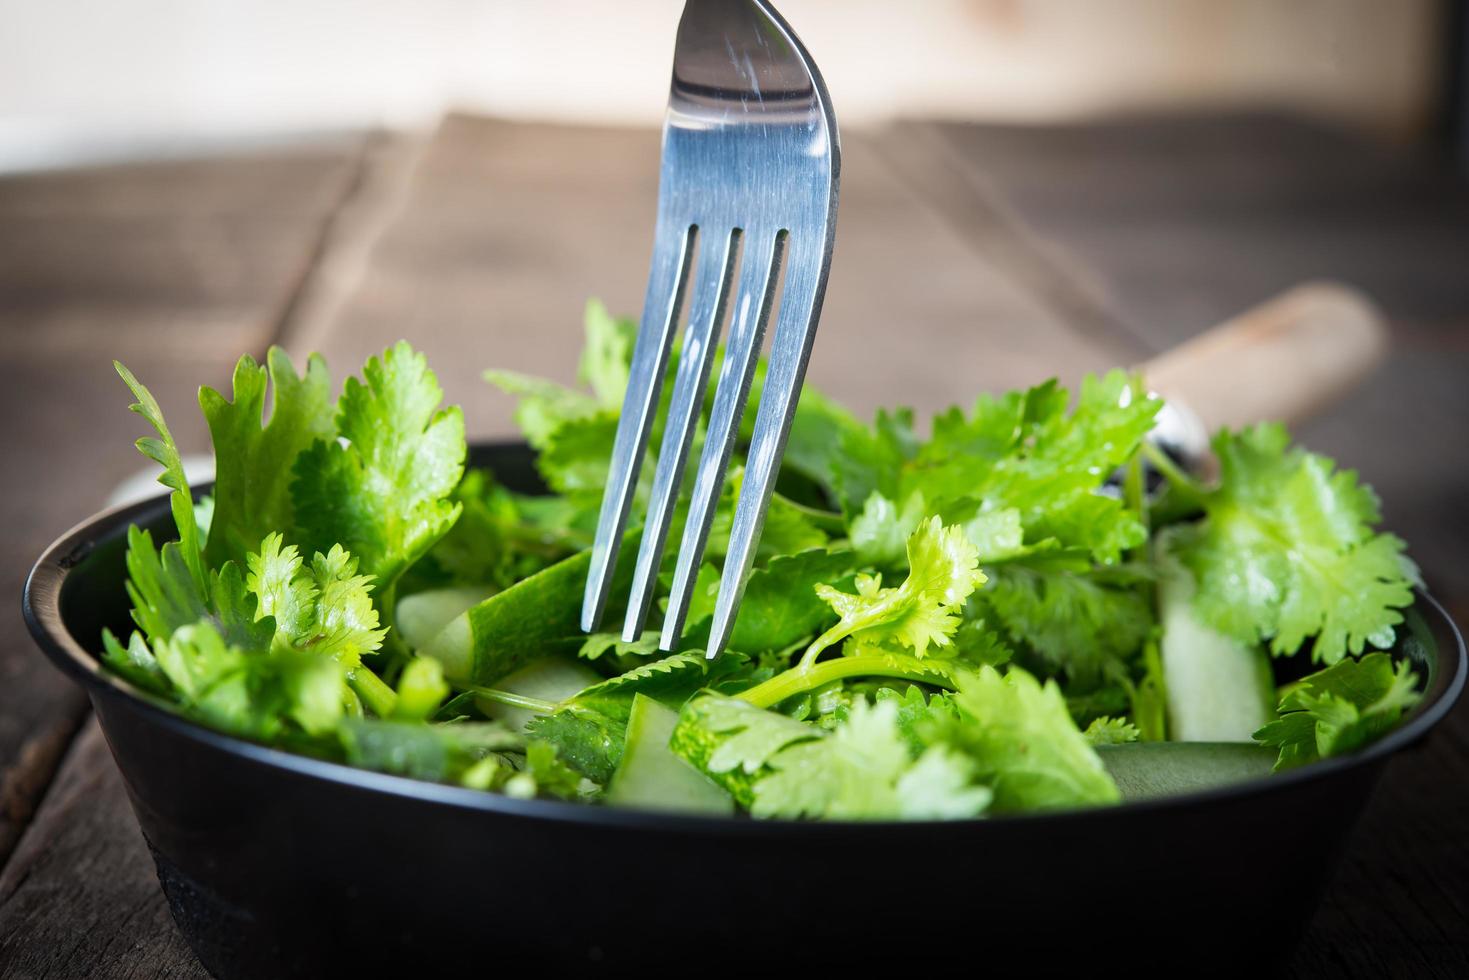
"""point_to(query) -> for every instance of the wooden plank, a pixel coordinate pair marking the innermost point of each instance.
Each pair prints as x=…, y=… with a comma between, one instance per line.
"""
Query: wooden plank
x=80, y=898
x=178, y=271
x=509, y=227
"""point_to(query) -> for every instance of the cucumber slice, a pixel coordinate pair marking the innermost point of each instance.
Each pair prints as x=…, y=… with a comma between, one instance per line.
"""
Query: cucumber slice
x=651, y=777
x=1219, y=690
x=549, y=679
x=1145, y=770
x=422, y=615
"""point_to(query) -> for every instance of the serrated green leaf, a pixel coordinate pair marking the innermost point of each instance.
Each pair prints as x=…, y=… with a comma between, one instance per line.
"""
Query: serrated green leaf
x=781, y=606
x=165, y=452
x=253, y=457
x=384, y=495
x=1020, y=736
x=1287, y=551
x=921, y=613
x=1340, y=709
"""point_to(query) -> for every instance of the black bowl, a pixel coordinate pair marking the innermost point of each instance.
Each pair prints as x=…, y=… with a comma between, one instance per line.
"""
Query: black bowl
x=277, y=865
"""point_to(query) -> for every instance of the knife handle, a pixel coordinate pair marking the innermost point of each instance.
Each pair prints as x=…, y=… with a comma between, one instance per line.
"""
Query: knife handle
x=1284, y=360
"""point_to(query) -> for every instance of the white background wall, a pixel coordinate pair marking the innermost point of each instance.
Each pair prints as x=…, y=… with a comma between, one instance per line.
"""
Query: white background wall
x=92, y=79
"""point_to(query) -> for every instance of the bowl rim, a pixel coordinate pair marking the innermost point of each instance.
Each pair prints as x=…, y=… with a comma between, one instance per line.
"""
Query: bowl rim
x=41, y=608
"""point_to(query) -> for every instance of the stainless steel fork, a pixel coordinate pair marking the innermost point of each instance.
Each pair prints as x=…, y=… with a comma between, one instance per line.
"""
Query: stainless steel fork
x=748, y=181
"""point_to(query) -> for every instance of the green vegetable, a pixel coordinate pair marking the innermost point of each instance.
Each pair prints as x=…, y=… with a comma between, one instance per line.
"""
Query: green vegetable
x=384, y=495
x=943, y=572
x=533, y=618
x=550, y=680
x=1219, y=689
x=650, y=776
x=254, y=459
x=1340, y=709
x=994, y=618
x=863, y=770
x=1147, y=770
x=1287, y=552
x=423, y=615
x=1024, y=743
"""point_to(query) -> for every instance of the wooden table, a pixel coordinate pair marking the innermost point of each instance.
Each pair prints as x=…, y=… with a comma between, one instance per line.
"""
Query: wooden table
x=970, y=258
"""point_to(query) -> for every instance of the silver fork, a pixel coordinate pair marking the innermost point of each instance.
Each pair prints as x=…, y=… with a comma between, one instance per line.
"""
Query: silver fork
x=748, y=179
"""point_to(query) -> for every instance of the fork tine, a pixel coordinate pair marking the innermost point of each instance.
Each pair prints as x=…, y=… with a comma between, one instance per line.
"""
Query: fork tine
x=707, y=302
x=759, y=276
x=670, y=269
x=800, y=308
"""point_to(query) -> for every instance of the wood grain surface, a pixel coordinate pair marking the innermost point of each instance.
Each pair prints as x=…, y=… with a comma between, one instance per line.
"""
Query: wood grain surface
x=968, y=258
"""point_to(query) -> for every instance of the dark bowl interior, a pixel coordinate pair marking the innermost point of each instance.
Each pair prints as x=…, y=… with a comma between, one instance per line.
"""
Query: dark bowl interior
x=281, y=865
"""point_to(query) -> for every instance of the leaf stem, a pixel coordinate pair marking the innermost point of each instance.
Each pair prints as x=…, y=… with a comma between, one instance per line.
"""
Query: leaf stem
x=806, y=677
x=826, y=520
x=1190, y=488
x=538, y=705
x=374, y=692
x=808, y=659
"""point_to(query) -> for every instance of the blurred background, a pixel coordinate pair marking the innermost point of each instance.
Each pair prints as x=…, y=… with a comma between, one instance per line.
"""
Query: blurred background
x=84, y=81
x=1030, y=188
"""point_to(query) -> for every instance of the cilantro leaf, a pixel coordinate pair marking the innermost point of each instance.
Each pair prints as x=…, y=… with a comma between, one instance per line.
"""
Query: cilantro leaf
x=871, y=460
x=165, y=597
x=781, y=605
x=606, y=358
x=1025, y=451
x=543, y=406
x=917, y=712
x=258, y=696
x=500, y=538
x=1340, y=709
x=1078, y=623
x=253, y=458
x=326, y=609
x=923, y=611
x=616, y=648
x=383, y=495
x=862, y=769
x=788, y=529
x=587, y=741
x=165, y=452
x=880, y=533
x=1024, y=745
x=670, y=681
x=1111, y=731
x=1287, y=551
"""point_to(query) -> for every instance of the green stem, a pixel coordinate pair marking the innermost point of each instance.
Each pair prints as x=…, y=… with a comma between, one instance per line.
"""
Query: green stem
x=827, y=520
x=1135, y=489
x=1186, y=485
x=805, y=677
x=537, y=705
x=808, y=659
x=376, y=694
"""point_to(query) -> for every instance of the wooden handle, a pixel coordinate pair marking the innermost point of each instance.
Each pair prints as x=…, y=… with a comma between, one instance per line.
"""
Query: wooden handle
x=1285, y=360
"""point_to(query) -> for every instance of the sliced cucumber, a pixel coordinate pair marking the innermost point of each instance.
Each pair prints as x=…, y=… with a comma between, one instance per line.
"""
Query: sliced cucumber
x=553, y=678
x=422, y=615
x=651, y=777
x=1144, y=770
x=1219, y=690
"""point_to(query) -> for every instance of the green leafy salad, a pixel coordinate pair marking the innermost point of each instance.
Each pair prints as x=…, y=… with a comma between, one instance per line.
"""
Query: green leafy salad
x=1027, y=608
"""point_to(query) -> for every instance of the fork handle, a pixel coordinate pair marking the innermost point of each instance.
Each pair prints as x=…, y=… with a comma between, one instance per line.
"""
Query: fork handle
x=1285, y=360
